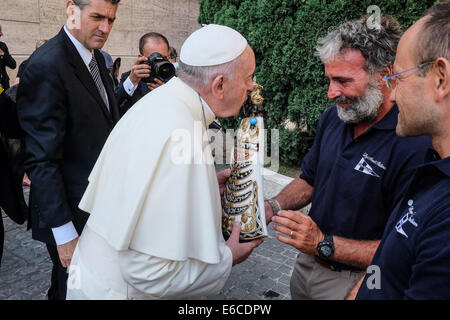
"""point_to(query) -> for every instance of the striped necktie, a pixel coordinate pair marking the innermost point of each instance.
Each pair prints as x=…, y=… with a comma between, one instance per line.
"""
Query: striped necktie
x=95, y=72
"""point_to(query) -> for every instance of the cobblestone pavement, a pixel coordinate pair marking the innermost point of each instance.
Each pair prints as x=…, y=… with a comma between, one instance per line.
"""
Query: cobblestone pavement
x=26, y=269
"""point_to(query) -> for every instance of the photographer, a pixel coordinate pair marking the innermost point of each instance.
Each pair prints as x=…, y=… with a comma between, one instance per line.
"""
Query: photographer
x=137, y=82
x=5, y=61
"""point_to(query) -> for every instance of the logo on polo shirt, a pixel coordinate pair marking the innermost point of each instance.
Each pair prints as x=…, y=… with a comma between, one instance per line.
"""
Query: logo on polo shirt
x=409, y=217
x=364, y=167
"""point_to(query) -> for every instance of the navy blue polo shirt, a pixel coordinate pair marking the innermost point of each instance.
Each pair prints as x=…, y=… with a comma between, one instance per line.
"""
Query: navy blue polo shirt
x=414, y=253
x=358, y=182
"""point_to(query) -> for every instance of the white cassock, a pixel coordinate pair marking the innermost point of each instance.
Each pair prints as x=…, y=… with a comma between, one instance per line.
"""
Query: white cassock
x=155, y=225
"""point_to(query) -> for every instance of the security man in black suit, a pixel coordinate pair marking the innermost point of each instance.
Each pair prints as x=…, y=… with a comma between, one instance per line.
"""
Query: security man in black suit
x=5, y=61
x=12, y=201
x=131, y=89
x=67, y=108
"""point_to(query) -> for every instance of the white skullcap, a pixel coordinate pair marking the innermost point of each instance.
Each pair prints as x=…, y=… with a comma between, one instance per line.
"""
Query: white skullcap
x=212, y=45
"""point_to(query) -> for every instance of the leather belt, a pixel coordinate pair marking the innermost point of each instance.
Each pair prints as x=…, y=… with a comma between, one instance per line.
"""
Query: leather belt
x=335, y=266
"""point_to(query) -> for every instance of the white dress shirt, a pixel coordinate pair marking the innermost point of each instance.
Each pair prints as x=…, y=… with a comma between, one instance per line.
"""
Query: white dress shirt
x=129, y=87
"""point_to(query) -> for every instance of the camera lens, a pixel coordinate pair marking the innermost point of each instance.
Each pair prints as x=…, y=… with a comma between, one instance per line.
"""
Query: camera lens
x=166, y=71
x=161, y=68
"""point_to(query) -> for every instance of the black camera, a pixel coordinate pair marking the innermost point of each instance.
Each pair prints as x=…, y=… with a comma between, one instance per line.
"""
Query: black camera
x=161, y=68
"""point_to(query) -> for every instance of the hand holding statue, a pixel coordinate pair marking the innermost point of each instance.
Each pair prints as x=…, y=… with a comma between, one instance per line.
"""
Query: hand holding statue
x=222, y=178
x=241, y=251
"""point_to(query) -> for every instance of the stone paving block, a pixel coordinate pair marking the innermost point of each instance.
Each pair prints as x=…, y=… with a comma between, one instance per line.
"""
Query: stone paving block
x=228, y=284
x=285, y=280
x=10, y=262
x=38, y=296
x=269, y=253
x=24, y=253
x=274, y=274
x=249, y=277
x=285, y=269
x=40, y=276
x=278, y=258
x=252, y=296
x=282, y=289
x=266, y=283
x=259, y=269
x=238, y=294
x=291, y=261
x=9, y=279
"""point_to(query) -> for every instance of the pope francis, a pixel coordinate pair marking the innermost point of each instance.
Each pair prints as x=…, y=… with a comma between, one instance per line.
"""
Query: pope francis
x=154, y=230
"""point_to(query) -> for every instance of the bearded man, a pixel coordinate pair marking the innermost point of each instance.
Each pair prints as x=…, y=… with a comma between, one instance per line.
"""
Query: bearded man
x=357, y=169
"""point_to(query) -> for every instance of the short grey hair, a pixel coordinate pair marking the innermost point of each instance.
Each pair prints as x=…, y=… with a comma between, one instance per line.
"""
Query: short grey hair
x=83, y=3
x=201, y=76
x=378, y=45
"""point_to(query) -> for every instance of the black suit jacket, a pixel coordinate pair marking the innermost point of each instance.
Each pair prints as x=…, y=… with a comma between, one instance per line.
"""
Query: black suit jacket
x=124, y=101
x=11, y=167
x=11, y=194
x=5, y=61
x=66, y=124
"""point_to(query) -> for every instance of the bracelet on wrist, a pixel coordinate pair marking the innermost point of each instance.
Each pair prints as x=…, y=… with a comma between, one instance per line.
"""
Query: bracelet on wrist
x=276, y=207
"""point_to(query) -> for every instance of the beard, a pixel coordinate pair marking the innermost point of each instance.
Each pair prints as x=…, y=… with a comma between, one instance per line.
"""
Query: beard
x=362, y=109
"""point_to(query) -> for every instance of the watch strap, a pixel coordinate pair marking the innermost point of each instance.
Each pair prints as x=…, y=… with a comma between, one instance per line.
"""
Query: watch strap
x=329, y=239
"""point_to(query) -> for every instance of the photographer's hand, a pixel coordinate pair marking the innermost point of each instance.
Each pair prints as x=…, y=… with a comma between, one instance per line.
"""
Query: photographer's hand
x=152, y=86
x=139, y=71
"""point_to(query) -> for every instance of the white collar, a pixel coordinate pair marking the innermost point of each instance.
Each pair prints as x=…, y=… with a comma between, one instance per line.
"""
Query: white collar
x=210, y=116
x=85, y=54
x=208, y=110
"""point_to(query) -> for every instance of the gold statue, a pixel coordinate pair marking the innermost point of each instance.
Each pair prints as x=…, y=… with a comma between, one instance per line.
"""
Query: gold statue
x=243, y=197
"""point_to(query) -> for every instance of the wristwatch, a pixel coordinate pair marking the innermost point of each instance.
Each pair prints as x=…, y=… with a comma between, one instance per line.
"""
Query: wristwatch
x=326, y=247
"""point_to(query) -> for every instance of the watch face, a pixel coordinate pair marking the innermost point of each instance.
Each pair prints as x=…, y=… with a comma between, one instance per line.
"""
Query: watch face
x=326, y=251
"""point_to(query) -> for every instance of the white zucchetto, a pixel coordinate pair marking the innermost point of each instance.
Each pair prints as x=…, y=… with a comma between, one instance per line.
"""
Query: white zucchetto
x=212, y=45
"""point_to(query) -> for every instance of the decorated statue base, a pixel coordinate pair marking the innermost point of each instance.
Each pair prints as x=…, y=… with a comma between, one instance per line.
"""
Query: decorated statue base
x=243, y=199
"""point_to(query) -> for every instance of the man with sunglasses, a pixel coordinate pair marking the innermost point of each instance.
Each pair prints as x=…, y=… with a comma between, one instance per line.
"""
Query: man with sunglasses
x=357, y=169
x=414, y=254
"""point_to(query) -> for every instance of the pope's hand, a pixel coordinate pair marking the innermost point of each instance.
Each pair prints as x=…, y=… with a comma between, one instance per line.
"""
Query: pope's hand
x=240, y=251
x=269, y=212
x=66, y=251
x=222, y=177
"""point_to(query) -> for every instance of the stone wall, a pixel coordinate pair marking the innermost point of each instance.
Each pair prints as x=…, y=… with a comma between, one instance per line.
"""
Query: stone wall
x=27, y=22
